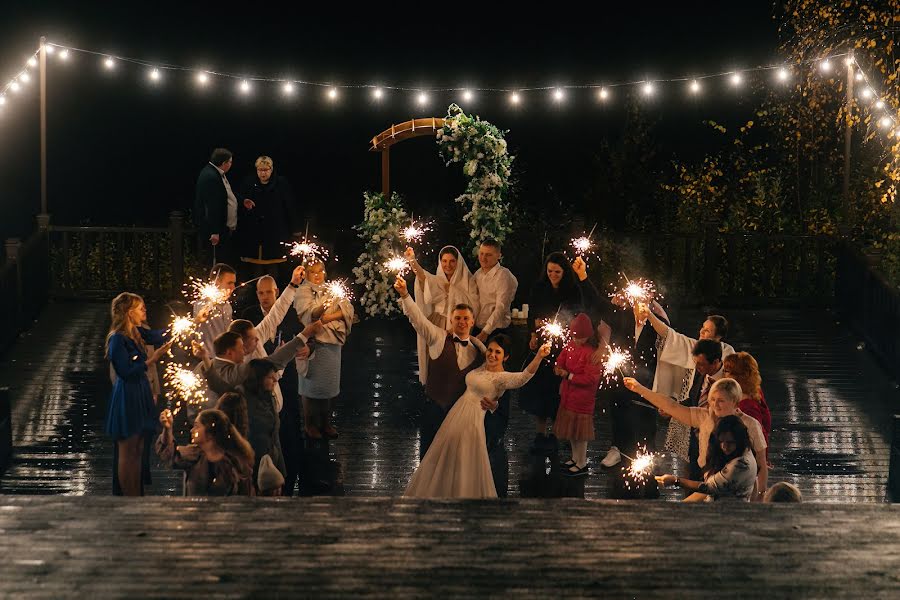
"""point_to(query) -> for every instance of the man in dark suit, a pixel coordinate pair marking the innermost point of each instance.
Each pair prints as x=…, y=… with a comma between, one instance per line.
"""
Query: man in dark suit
x=289, y=432
x=215, y=209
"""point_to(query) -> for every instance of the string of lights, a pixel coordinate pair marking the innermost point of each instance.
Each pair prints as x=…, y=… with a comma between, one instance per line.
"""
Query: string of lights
x=155, y=74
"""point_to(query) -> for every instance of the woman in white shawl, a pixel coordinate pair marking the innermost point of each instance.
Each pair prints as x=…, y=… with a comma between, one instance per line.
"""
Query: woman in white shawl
x=437, y=294
x=320, y=374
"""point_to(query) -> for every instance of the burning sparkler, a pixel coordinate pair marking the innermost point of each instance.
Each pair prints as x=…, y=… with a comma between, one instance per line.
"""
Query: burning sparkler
x=336, y=291
x=616, y=359
x=205, y=292
x=308, y=251
x=554, y=332
x=415, y=231
x=183, y=329
x=398, y=265
x=583, y=245
x=189, y=387
x=636, y=291
x=640, y=468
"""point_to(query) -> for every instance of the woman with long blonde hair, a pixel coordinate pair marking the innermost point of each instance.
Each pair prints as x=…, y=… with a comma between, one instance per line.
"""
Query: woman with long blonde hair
x=132, y=411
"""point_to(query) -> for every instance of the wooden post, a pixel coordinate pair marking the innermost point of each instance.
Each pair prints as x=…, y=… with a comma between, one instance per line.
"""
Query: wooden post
x=42, y=62
x=386, y=172
x=848, y=137
x=176, y=227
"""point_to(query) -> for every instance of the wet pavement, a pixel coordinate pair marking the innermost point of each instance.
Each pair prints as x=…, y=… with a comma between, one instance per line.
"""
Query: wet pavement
x=830, y=403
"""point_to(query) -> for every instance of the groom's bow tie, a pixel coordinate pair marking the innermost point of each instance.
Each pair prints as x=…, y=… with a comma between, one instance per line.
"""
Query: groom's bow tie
x=464, y=343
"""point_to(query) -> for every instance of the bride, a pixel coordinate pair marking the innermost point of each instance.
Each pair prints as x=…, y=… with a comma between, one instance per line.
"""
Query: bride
x=456, y=465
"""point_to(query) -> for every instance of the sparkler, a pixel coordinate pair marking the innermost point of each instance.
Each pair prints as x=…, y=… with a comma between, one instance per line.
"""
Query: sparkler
x=183, y=329
x=641, y=467
x=583, y=245
x=636, y=291
x=205, y=292
x=415, y=231
x=555, y=332
x=615, y=361
x=397, y=265
x=308, y=251
x=190, y=387
x=336, y=291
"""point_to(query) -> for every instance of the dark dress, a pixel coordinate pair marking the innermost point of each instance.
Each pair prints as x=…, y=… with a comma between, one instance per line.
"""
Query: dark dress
x=132, y=409
x=272, y=221
x=541, y=396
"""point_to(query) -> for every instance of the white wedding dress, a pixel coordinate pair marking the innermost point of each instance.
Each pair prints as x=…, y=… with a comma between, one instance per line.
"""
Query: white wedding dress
x=456, y=465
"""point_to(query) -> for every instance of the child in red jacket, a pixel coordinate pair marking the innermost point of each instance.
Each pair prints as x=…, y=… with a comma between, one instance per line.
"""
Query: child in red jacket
x=579, y=366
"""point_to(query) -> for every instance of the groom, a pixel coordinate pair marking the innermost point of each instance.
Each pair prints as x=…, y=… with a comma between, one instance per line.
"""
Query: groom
x=451, y=355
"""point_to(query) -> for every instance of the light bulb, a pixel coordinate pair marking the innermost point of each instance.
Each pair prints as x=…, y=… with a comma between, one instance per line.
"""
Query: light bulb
x=48, y=48
x=14, y=86
x=377, y=93
x=879, y=105
x=783, y=74
x=467, y=95
x=2, y=100
x=859, y=76
x=202, y=78
x=736, y=79
x=648, y=88
x=695, y=87
x=422, y=98
x=604, y=93
x=245, y=87
x=333, y=94
x=109, y=63
x=25, y=77
x=64, y=54
x=558, y=95
x=825, y=65
x=866, y=93
x=288, y=88
x=885, y=122
x=514, y=98
x=848, y=61
x=32, y=62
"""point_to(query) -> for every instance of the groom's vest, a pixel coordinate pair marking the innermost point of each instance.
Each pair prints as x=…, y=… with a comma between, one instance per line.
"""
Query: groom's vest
x=446, y=381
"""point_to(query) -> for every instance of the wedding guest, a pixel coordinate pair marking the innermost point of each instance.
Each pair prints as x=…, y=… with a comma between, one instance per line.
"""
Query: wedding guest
x=217, y=462
x=267, y=218
x=235, y=408
x=132, y=409
x=215, y=208
x=633, y=425
x=289, y=385
x=562, y=290
x=496, y=289
x=730, y=471
x=255, y=337
x=215, y=318
x=579, y=365
x=744, y=369
x=724, y=396
x=320, y=374
x=783, y=492
x=258, y=392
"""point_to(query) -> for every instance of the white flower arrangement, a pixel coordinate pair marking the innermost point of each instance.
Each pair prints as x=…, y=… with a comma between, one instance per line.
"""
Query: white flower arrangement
x=480, y=146
x=383, y=220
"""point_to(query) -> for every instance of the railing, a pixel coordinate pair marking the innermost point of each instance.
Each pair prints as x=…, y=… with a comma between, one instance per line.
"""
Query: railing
x=869, y=305
x=23, y=283
x=100, y=262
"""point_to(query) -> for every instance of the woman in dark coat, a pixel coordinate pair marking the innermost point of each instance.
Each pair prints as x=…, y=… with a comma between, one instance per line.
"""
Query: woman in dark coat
x=562, y=291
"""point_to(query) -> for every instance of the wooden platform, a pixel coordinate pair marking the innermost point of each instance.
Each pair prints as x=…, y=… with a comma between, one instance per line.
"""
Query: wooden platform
x=96, y=547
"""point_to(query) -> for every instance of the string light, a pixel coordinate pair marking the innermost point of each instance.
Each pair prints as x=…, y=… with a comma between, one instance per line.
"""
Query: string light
x=866, y=93
x=2, y=100
x=825, y=66
x=377, y=93
x=885, y=121
x=24, y=77
x=48, y=48
x=14, y=86
x=879, y=105
x=558, y=95
x=603, y=94
x=109, y=63
x=648, y=88
x=332, y=94
x=859, y=76
x=736, y=79
x=514, y=98
x=245, y=87
x=64, y=54
x=849, y=61
x=154, y=75
x=783, y=74
x=202, y=79
x=422, y=98
x=695, y=87
x=288, y=89
x=32, y=62
x=467, y=95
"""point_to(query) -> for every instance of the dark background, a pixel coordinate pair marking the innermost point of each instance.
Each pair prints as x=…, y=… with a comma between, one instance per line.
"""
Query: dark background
x=124, y=152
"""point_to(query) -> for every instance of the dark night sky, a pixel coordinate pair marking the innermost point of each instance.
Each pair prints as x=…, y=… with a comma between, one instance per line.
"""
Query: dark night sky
x=123, y=152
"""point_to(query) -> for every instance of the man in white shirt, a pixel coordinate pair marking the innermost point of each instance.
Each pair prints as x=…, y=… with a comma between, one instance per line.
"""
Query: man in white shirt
x=216, y=208
x=215, y=318
x=496, y=290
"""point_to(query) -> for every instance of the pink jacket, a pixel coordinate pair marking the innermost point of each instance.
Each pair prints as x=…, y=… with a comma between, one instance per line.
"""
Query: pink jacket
x=578, y=394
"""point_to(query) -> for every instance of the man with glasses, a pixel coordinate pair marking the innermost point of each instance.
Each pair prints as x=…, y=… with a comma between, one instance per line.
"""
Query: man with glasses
x=268, y=217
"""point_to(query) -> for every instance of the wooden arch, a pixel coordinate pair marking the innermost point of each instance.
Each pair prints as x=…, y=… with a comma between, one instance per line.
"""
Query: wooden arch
x=397, y=133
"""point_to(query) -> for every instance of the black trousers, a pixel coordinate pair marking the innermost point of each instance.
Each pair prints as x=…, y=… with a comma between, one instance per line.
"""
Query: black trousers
x=223, y=252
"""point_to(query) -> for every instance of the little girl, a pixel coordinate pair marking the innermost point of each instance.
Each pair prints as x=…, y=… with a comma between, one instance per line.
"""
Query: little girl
x=579, y=366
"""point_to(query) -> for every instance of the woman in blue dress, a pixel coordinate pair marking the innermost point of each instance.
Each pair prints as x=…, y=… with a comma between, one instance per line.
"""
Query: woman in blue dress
x=132, y=410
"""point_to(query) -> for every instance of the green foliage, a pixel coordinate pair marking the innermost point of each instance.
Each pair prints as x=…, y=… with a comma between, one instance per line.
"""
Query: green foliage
x=383, y=220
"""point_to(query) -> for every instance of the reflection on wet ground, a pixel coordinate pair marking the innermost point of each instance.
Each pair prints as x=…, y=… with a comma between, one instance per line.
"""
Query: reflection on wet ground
x=830, y=406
